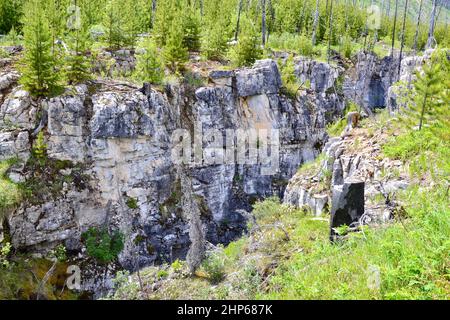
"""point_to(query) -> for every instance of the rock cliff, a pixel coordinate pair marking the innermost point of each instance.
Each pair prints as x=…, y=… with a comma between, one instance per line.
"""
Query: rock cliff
x=110, y=148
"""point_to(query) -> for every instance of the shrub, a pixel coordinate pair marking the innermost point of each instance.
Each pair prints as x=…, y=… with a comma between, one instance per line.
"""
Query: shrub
x=305, y=47
x=150, y=66
x=40, y=149
x=289, y=80
x=59, y=253
x=214, y=266
x=346, y=47
x=102, y=245
x=5, y=249
x=162, y=274
x=177, y=265
x=132, y=203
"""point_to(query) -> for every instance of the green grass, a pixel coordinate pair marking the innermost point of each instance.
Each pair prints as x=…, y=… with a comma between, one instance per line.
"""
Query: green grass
x=10, y=194
x=336, y=128
x=21, y=280
x=411, y=258
x=406, y=259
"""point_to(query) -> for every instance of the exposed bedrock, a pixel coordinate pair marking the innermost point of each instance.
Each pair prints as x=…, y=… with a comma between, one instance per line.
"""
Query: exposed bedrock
x=119, y=142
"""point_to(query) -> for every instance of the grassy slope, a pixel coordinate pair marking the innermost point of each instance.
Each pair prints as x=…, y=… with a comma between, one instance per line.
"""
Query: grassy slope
x=411, y=255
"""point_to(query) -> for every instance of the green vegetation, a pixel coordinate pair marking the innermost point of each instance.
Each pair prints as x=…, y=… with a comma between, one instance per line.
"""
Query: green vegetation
x=248, y=48
x=103, y=246
x=20, y=279
x=336, y=128
x=38, y=64
x=429, y=99
x=10, y=194
x=132, y=203
x=150, y=67
x=290, y=82
x=214, y=267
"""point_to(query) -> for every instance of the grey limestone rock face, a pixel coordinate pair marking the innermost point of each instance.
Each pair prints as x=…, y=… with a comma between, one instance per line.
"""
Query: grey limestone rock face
x=321, y=75
x=18, y=111
x=122, y=177
x=14, y=144
x=368, y=82
x=263, y=78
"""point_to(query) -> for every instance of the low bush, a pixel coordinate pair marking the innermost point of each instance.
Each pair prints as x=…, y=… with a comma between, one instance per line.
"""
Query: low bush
x=214, y=266
x=102, y=245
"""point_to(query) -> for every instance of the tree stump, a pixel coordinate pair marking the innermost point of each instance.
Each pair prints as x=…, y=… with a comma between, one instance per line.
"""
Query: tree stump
x=347, y=206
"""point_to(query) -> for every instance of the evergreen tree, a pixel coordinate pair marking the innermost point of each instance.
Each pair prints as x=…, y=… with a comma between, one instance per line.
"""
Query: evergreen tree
x=431, y=93
x=163, y=20
x=38, y=64
x=215, y=31
x=175, y=52
x=10, y=15
x=150, y=67
x=133, y=21
x=77, y=65
x=13, y=36
x=56, y=13
x=248, y=48
x=191, y=29
x=113, y=22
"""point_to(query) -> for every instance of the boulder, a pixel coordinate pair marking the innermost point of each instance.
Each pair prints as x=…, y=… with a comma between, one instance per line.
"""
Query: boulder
x=17, y=111
x=14, y=145
x=347, y=206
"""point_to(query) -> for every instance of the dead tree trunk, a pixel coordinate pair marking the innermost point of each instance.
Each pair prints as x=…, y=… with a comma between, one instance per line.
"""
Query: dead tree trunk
x=263, y=21
x=403, y=40
x=393, y=31
x=191, y=212
x=431, y=29
x=316, y=21
x=416, y=35
x=330, y=35
x=236, y=33
x=153, y=12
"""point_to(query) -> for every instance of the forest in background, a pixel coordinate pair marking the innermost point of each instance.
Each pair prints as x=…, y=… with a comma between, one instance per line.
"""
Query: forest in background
x=66, y=33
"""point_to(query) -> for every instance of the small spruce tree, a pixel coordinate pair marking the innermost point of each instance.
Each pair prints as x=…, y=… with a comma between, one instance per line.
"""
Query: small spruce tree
x=175, y=52
x=214, y=38
x=248, y=48
x=38, y=64
x=430, y=96
x=191, y=28
x=150, y=67
x=77, y=64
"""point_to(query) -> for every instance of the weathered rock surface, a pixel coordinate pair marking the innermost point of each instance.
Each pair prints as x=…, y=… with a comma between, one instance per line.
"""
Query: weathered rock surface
x=119, y=143
x=410, y=65
x=368, y=82
x=355, y=156
x=348, y=206
x=322, y=76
